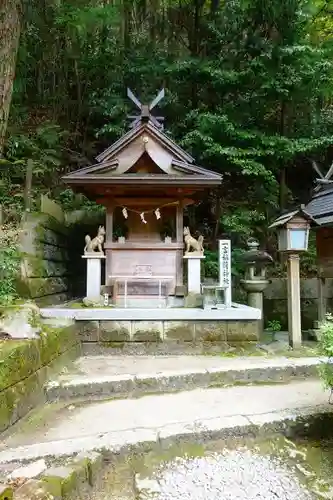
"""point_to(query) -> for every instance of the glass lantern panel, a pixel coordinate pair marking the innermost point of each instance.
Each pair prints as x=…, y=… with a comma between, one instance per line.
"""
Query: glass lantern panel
x=298, y=239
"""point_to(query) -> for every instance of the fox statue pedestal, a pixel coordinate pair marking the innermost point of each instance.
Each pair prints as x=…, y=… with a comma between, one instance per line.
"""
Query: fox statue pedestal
x=194, y=272
x=94, y=264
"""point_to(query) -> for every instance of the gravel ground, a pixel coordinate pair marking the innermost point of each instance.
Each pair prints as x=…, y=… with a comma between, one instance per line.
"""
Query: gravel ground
x=234, y=475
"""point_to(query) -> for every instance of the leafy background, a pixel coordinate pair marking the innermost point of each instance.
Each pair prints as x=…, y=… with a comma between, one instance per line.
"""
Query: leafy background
x=248, y=92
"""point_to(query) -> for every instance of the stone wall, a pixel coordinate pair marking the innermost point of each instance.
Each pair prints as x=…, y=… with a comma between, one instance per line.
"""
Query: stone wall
x=194, y=332
x=26, y=365
x=276, y=306
x=45, y=276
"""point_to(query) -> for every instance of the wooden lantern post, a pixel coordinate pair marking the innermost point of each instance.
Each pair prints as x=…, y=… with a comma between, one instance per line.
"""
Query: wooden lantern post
x=293, y=236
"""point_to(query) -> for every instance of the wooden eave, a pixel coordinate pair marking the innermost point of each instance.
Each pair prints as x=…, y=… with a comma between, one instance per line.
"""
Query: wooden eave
x=183, y=167
x=150, y=179
x=94, y=175
x=157, y=134
x=91, y=169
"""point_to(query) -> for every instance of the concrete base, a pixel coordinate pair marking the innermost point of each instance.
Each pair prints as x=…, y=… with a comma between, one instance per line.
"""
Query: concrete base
x=237, y=323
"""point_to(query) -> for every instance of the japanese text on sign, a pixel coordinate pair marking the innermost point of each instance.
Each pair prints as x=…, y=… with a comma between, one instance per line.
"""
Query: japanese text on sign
x=225, y=263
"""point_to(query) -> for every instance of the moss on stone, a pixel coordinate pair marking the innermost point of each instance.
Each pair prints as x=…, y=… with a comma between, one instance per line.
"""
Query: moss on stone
x=20, y=398
x=94, y=462
x=23, y=369
x=113, y=345
x=61, y=481
x=5, y=411
x=211, y=331
x=55, y=341
x=39, y=287
x=18, y=361
x=35, y=267
x=147, y=336
x=242, y=331
x=76, y=305
x=6, y=492
x=53, y=485
x=180, y=331
x=112, y=331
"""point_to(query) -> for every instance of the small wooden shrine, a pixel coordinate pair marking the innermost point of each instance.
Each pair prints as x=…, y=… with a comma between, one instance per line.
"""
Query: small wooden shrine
x=320, y=207
x=145, y=180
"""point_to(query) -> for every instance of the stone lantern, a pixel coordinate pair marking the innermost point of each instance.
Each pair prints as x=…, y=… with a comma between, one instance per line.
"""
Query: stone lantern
x=255, y=282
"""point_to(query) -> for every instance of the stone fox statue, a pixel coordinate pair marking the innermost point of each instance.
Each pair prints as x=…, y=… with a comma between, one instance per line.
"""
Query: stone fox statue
x=95, y=243
x=190, y=242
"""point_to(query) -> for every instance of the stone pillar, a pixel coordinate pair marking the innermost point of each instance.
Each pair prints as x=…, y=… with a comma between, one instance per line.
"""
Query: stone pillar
x=179, y=238
x=256, y=299
x=93, y=287
x=194, y=273
x=294, y=302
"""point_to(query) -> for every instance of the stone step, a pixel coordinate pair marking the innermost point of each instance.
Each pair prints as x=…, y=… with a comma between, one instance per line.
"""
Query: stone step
x=119, y=426
x=130, y=376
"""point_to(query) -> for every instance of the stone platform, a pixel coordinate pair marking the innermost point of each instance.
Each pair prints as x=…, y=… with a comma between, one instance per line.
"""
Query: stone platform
x=112, y=324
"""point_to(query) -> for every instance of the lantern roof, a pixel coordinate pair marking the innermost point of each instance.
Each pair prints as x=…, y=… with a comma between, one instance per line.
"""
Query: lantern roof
x=286, y=217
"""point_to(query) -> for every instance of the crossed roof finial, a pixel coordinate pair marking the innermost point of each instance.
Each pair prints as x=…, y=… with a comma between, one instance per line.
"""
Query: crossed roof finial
x=323, y=179
x=145, y=115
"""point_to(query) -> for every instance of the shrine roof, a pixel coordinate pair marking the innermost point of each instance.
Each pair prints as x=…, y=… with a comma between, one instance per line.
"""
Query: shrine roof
x=320, y=206
x=127, y=138
x=168, y=163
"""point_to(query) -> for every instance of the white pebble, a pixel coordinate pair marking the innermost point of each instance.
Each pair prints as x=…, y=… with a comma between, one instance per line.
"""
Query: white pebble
x=233, y=475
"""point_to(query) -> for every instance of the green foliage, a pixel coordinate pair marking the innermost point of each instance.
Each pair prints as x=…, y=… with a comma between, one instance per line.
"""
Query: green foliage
x=44, y=148
x=274, y=325
x=9, y=264
x=211, y=265
x=308, y=260
x=70, y=201
x=326, y=347
x=249, y=94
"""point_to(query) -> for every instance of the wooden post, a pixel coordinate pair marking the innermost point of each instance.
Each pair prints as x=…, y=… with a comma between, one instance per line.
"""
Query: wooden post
x=109, y=239
x=294, y=302
x=179, y=238
x=322, y=299
x=109, y=224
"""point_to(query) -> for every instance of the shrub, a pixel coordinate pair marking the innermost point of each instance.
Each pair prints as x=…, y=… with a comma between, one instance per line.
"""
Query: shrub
x=326, y=347
x=9, y=263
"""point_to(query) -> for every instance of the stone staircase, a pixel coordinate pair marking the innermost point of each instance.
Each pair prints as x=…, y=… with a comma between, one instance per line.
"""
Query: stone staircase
x=117, y=404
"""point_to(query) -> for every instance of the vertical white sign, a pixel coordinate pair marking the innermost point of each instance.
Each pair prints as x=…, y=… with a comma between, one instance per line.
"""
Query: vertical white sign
x=225, y=269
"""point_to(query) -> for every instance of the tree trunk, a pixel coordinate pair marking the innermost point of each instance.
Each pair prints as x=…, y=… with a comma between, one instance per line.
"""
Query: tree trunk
x=283, y=190
x=10, y=28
